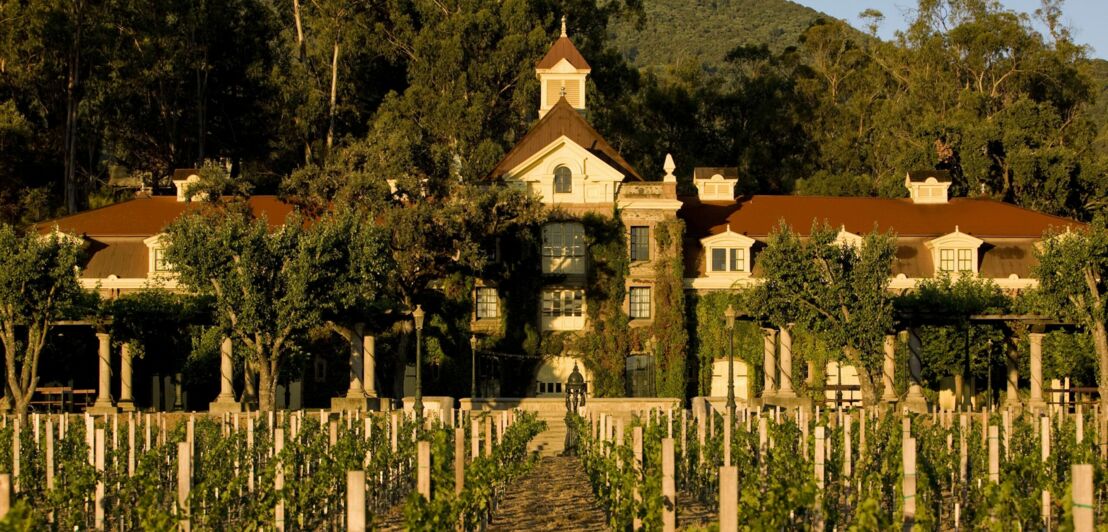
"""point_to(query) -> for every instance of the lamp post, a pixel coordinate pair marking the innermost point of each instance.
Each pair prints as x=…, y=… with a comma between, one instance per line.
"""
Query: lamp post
x=473, y=365
x=418, y=315
x=730, y=315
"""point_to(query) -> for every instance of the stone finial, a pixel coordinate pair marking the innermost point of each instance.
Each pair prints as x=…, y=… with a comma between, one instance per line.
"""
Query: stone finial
x=669, y=167
x=563, y=25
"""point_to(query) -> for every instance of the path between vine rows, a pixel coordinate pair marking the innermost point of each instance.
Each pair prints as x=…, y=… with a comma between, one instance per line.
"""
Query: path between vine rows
x=555, y=495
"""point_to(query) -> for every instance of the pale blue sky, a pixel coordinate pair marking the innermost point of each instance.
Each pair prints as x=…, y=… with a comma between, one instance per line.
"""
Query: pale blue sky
x=1088, y=19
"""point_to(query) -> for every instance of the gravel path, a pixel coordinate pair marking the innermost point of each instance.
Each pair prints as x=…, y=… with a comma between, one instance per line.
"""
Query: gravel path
x=554, y=495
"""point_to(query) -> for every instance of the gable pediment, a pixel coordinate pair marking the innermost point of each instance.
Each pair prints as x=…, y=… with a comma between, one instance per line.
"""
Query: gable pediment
x=590, y=179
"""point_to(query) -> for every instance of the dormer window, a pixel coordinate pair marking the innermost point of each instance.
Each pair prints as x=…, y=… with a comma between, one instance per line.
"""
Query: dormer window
x=160, y=264
x=728, y=259
x=563, y=180
x=727, y=253
x=955, y=253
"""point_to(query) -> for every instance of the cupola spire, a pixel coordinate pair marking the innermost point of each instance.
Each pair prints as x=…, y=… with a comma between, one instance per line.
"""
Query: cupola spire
x=562, y=72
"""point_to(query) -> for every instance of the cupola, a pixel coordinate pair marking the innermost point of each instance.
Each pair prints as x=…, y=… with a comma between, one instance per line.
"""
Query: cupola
x=562, y=72
x=928, y=186
x=715, y=183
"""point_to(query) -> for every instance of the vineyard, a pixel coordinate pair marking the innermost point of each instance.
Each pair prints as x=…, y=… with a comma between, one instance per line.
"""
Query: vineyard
x=296, y=471
x=863, y=471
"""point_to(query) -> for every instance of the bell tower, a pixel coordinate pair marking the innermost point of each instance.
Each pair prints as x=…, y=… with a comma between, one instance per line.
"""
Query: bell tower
x=562, y=73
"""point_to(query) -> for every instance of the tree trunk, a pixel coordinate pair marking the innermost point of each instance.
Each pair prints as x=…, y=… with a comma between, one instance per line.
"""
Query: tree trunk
x=267, y=386
x=1100, y=342
x=334, y=97
x=299, y=28
x=865, y=376
x=69, y=154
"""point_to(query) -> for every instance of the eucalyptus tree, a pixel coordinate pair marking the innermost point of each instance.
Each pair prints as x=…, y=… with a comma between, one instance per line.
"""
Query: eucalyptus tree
x=839, y=291
x=38, y=286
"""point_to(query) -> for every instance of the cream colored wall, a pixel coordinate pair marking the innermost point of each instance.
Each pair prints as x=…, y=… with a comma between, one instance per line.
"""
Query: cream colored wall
x=849, y=378
x=742, y=380
x=558, y=369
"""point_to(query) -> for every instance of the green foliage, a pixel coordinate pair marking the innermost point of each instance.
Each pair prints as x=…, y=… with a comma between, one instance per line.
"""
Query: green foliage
x=38, y=285
x=1072, y=270
x=668, y=329
x=837, y=291
x=730, y=23
x=709, y=335
x=943, y=307
x=485, y=476
x=606, y=347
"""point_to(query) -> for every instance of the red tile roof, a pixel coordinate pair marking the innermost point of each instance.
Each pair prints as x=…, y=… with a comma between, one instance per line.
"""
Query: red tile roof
x=563, y=48
x=148, y=216
x=756, y=216
x=563, y=119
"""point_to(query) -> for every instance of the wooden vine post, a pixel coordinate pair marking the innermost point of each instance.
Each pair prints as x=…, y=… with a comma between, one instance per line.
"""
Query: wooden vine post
x=1082, y=478
x=669, y=487
x=459, y=460
x=423, y=472
x=355, y=501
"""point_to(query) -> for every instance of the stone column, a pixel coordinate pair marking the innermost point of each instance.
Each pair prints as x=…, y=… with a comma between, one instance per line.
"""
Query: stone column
x=888, y=371
x=126, y=395
x=356, y=398
x=769, y=363
x=356, y=390
x=369, y=365
x=1012, y=363
x=786, y=380
x=225, y=401
x=915, y=400
x=103, y=403
x=1036, y=340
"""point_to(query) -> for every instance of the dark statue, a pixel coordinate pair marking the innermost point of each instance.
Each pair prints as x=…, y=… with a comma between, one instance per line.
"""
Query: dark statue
x=575, y=399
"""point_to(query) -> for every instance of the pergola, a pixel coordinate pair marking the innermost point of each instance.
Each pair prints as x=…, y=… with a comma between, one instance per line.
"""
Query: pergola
x=1037, y=325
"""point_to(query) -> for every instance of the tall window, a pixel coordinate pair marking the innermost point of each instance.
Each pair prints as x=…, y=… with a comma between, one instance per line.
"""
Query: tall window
x=728, y=260
x=965, y=260
x=559, y=303
x=640, y=243
x=563, y=248
x=160, y=264
x=488, y=303
x=640, y=302
x=563, y=180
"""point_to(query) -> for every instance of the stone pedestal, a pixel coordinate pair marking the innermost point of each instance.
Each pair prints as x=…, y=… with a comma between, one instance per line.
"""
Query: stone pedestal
x=915, y=401
x=1036, y=401
x=225, y=401
x=769, y=363
x=888, y=372
x=103, y=403
x=352, y=404
x=126, y=401
x=785, y=389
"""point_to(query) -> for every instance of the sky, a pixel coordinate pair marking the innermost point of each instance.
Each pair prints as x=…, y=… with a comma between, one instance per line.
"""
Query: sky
x=1086, y=18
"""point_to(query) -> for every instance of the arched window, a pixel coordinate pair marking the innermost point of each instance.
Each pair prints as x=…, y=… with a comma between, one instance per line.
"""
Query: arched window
x=563, y=180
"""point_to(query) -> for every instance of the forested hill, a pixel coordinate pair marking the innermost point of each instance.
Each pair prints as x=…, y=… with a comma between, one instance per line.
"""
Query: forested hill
x=705, y=30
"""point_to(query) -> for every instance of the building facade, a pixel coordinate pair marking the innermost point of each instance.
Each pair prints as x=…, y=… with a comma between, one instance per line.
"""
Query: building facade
x=573, y=171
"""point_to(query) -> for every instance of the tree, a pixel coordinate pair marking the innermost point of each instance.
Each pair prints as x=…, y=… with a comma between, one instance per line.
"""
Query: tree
x=38, y=285
x=836, y=290
x=1073, y=281
x=267, y=278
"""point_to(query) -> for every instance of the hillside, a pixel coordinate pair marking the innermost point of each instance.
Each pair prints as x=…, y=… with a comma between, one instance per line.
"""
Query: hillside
x=705, y=30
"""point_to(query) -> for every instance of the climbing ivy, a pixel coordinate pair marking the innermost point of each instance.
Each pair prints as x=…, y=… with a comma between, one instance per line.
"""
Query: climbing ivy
x=605, y=347
x=668, y=328
x=708, y=332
